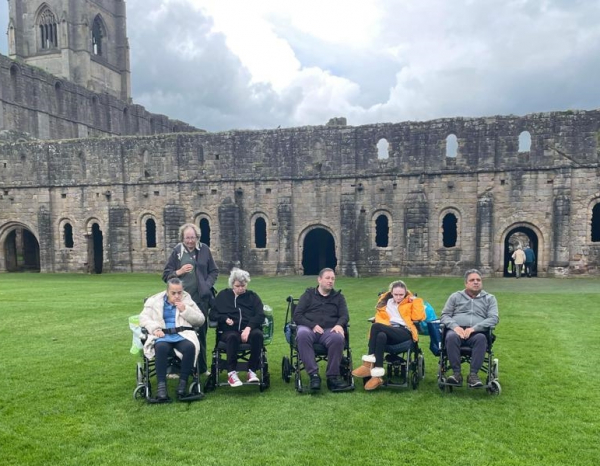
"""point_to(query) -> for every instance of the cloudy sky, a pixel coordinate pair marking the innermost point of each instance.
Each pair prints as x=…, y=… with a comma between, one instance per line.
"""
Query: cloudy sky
x=247, y=64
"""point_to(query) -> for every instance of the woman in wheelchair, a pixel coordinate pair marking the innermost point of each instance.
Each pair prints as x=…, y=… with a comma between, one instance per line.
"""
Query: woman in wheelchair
x=169, y=317
x=239, y=315
x=396, y=311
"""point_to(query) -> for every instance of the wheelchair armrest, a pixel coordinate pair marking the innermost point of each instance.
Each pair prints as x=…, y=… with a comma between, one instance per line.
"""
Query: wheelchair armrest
x=371, y=319
x=213, y=324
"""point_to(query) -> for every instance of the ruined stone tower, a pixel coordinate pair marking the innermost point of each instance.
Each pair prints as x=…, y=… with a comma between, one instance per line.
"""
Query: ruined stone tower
x=83, y=41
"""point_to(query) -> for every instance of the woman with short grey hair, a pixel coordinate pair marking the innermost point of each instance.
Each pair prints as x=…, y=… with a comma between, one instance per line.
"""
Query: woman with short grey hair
x=239, y=314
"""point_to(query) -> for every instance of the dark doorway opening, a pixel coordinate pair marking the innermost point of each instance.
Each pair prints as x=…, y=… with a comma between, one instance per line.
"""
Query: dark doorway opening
x=95, y=250
x=22, y=251
x=449, y=230
x=205, y=231
x=318, y=252
x=519, y=236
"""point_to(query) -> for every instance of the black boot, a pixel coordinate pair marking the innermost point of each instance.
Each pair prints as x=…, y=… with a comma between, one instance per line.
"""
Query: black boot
x=161, y=391
x=182, y=388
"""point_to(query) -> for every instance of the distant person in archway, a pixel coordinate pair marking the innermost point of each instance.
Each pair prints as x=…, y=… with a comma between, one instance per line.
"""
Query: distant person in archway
x=519, y=258
x=192, y=262
x=529, y=260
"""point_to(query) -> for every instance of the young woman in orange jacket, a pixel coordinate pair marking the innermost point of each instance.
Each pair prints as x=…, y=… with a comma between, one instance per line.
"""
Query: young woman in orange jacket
x=396, y=311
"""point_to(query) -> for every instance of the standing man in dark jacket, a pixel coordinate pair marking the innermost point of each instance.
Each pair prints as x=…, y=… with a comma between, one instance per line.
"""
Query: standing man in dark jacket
x=467, y=314
x=321, y=315
x=191, y=261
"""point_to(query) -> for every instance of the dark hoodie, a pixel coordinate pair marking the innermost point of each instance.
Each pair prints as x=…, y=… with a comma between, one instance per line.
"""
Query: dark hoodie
x=315, y=309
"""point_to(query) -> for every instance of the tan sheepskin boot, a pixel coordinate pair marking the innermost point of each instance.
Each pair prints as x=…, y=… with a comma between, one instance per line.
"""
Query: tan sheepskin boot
x=376, y=379
x=365, y=369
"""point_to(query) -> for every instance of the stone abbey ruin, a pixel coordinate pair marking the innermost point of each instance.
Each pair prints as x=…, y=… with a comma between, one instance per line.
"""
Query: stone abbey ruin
x=90, y=182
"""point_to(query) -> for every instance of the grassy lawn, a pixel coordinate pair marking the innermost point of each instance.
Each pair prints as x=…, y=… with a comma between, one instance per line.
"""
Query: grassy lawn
x=67, y=378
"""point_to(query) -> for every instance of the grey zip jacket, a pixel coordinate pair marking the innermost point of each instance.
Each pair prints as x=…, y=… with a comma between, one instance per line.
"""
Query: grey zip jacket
x=480, y=312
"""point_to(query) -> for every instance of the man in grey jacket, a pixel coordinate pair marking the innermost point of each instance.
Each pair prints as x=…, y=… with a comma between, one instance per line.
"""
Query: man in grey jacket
x=466, y=314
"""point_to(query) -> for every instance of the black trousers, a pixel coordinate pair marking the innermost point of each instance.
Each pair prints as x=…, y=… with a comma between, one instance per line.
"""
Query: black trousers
x=162, y=350
x=382, y=335
x=233, y=340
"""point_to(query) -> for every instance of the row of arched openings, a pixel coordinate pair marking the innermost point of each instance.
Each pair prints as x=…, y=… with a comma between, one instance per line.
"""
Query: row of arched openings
x=383, y=146
x=449, y=230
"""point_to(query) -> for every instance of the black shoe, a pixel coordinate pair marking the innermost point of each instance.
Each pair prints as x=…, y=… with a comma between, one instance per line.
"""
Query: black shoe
x=315, y=381
x=161, y=391
x=474, y=381
x=181, y=388
x=336, y=383
x=455, y=379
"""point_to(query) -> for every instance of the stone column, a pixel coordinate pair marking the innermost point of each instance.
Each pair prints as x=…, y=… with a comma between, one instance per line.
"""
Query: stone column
x=484, y=234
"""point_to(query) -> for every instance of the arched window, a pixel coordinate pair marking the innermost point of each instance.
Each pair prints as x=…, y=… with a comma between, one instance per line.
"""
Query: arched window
x=383, y=149
x=205, y=231
x=150, y=233
x=98, y=34
x=68, y=235
x=382, y=231
x=48, y=29
x=451, y=146
x=524, y=141
x=596, y=223
x=260, y=233
x=449, y=230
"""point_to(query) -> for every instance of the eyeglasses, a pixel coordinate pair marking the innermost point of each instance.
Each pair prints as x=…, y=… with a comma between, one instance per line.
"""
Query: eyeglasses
x=190, y=238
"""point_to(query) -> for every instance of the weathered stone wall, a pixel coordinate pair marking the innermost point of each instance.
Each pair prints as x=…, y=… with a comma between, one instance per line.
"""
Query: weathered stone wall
x=47, y=107
x=329, y=177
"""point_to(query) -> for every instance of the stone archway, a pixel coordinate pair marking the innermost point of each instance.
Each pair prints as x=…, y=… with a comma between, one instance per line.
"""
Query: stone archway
x=318, y=251
x=21, y=251
x=519, y=236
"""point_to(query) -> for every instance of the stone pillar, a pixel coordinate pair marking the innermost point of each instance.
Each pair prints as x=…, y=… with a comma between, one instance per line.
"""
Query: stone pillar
x=174, y=217
x=416, y=233
x=348, y=236
x=229, y=220
x=484, y=234
x=561, y=218
x=119, y=240
x=46, y=240
x=286, y=239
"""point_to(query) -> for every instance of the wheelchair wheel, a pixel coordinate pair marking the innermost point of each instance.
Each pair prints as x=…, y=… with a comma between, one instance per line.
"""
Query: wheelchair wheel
x=139, y=374
x=286, y=369
x=415, y=377
x=494, y=388
x=494, y=370
x=421, y=366
x=266, y=382
x=195, y=388
x=139, y=393
x=210, y=385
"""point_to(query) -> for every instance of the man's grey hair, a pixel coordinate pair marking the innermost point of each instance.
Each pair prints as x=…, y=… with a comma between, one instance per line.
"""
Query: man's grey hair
x=470, y=271
x=238, y=275
x=184, y=227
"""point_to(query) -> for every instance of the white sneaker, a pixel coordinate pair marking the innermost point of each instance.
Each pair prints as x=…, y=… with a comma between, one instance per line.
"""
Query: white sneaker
x=234, y=380
x=252, y=377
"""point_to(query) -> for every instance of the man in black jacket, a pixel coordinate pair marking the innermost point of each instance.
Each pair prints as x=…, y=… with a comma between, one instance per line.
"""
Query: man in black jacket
x=321, y=315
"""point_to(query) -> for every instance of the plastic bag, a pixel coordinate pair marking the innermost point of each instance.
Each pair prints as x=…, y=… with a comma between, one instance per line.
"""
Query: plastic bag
x=136, y=343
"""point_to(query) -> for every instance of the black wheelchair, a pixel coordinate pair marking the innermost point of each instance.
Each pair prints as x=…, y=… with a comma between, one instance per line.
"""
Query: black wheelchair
x=293, y=365
x=219, y=361
x=490, y=364
x=146, y=368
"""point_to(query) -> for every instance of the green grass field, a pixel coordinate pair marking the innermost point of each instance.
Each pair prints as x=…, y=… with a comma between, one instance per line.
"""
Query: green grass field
x=67, y=380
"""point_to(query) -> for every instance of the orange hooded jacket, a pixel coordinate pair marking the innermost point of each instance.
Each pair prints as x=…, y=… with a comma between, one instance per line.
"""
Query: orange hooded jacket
x=410, y=309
